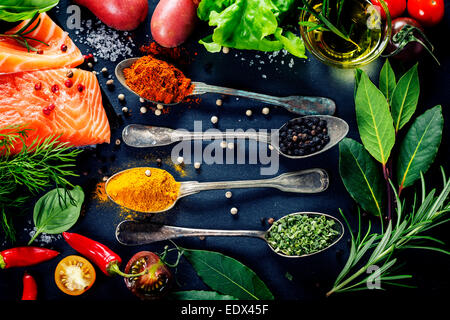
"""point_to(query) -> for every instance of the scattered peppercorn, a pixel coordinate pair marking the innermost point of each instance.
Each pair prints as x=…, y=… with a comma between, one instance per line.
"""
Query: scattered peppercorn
x=80, y=87
x=68, y=83
x=63, y=48
x=40, y=51
x=69, y=74
x=303, y=136
x=270, y=220
x=38, y=86
x=55, y=88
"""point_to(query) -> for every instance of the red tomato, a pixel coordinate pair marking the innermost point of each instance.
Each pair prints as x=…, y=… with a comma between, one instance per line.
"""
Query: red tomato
x=395, y=7
x=427, y=12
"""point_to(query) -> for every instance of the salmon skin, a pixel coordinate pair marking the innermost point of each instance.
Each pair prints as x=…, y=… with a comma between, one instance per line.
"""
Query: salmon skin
x=52, y=104
x=60, y=52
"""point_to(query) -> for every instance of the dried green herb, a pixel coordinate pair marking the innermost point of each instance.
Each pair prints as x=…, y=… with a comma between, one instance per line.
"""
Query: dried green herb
x=297, y=235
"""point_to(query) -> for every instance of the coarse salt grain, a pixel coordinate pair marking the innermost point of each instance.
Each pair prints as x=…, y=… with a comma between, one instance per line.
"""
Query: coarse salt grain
x=197, y=165
x=265, y=110
x=157, y=112
x=143, y=110
x=106, y=42
x=159, y=106
x=234, y=211
x=248, y=113
x=214, y=119
x=228, y=194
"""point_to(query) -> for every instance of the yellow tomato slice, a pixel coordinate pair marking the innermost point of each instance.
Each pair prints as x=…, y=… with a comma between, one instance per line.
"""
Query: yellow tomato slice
x=74, y=275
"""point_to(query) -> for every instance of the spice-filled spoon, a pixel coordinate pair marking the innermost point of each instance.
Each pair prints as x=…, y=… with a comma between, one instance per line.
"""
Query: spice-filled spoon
x=153, y=190
x=297, y=104
x=287, y=236
x=308, y=142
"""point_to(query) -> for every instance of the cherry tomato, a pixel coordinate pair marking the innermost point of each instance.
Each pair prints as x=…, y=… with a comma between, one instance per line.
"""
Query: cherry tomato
x=74, y=275
x=395, y=7
x=152, y=285
x=427, y=12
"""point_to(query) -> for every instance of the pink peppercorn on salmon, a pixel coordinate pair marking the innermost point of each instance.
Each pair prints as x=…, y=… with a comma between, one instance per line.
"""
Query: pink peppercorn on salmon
x=66, y=102
x=60, y=52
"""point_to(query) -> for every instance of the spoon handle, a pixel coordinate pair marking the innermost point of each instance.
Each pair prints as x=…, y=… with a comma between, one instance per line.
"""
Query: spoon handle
x=180, y=135
x=306, y=181
x=296, y=104
x=131, y=233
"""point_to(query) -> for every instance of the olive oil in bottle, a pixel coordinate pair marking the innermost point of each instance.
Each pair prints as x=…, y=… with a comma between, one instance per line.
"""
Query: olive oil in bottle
x=357, y=19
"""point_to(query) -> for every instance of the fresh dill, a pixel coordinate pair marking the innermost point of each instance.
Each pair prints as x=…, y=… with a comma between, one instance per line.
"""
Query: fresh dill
x=39, y=165
x=22, y=35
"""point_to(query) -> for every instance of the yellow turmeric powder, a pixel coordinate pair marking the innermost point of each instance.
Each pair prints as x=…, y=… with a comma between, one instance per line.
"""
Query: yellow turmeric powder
x=143, y=189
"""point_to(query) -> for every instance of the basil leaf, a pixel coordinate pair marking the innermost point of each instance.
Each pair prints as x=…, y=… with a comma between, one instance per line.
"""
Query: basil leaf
x=227, y=275
x=361, y=176
x=200, y=295
x=387, y=81
x=18, y=10
x=57, y=211
x=405, y=97
x=419, y=147
x=374, y=119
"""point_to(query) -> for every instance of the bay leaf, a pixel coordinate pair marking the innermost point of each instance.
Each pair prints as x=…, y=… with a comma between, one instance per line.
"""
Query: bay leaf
x=387, y=81
x=374, y=120
x=419, y=147
x=405, y=97
x=227, y=275
x=200, y=295
x=361, y=176
x=357, y=79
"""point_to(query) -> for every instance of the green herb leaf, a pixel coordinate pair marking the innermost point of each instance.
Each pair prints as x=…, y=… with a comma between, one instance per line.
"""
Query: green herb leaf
x=361, y=176
x=18, y=10
x=374, y=120
x=249, y=25
x=200, y=295
x=405, y=97
x=227, y=275
x=419, y=147
x=387, y=81
x=358, y=73
x=57, y=211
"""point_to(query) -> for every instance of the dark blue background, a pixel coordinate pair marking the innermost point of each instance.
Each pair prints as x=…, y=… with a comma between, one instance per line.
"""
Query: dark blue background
x=312, y=276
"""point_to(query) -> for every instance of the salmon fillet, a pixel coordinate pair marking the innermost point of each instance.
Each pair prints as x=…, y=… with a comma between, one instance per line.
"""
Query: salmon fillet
x=14, y=57
x=42, y=101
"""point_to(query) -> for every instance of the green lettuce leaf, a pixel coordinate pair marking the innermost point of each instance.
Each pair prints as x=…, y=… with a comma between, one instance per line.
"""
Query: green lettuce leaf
x=17, y=10
x=249, y=25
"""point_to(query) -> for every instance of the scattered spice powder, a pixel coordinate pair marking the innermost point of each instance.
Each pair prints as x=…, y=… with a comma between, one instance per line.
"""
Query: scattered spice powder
x=135, y=190
x=157, y=80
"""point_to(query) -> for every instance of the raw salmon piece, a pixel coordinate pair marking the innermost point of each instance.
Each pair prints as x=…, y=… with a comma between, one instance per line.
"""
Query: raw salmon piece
x=14, y=57
x=29, y=97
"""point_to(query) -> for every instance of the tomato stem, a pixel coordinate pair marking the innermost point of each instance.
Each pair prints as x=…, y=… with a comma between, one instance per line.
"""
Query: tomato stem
x=113, y=268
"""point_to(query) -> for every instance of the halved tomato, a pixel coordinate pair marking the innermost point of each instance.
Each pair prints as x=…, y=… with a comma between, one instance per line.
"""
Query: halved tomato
x=74, y=275
x=155, y=283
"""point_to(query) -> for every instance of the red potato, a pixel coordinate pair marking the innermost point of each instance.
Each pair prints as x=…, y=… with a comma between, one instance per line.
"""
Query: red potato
x=173, y=21
x=124, y=15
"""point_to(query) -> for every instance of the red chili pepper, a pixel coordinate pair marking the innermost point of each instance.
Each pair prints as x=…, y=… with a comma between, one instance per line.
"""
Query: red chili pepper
x=98, y=253
x=29, y=287
x=25, y=256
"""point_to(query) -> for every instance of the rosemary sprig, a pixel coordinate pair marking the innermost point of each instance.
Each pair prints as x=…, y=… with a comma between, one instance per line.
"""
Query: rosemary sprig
x=41, y=164
x=22, y=35
x=324, y=19
x=406, y=233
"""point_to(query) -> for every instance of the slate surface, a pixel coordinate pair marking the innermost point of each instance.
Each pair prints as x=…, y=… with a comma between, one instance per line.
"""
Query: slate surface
x=311, y=277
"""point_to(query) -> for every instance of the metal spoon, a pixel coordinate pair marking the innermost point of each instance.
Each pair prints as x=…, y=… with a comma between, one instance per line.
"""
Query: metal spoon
x=141, y=136
x=131, y=233
x=306, y=181
x=296, y=104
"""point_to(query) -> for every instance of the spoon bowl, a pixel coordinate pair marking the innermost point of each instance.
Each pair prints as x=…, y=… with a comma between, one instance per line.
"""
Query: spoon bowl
x=131, y=233
x=297, y=104
x=141, y=136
